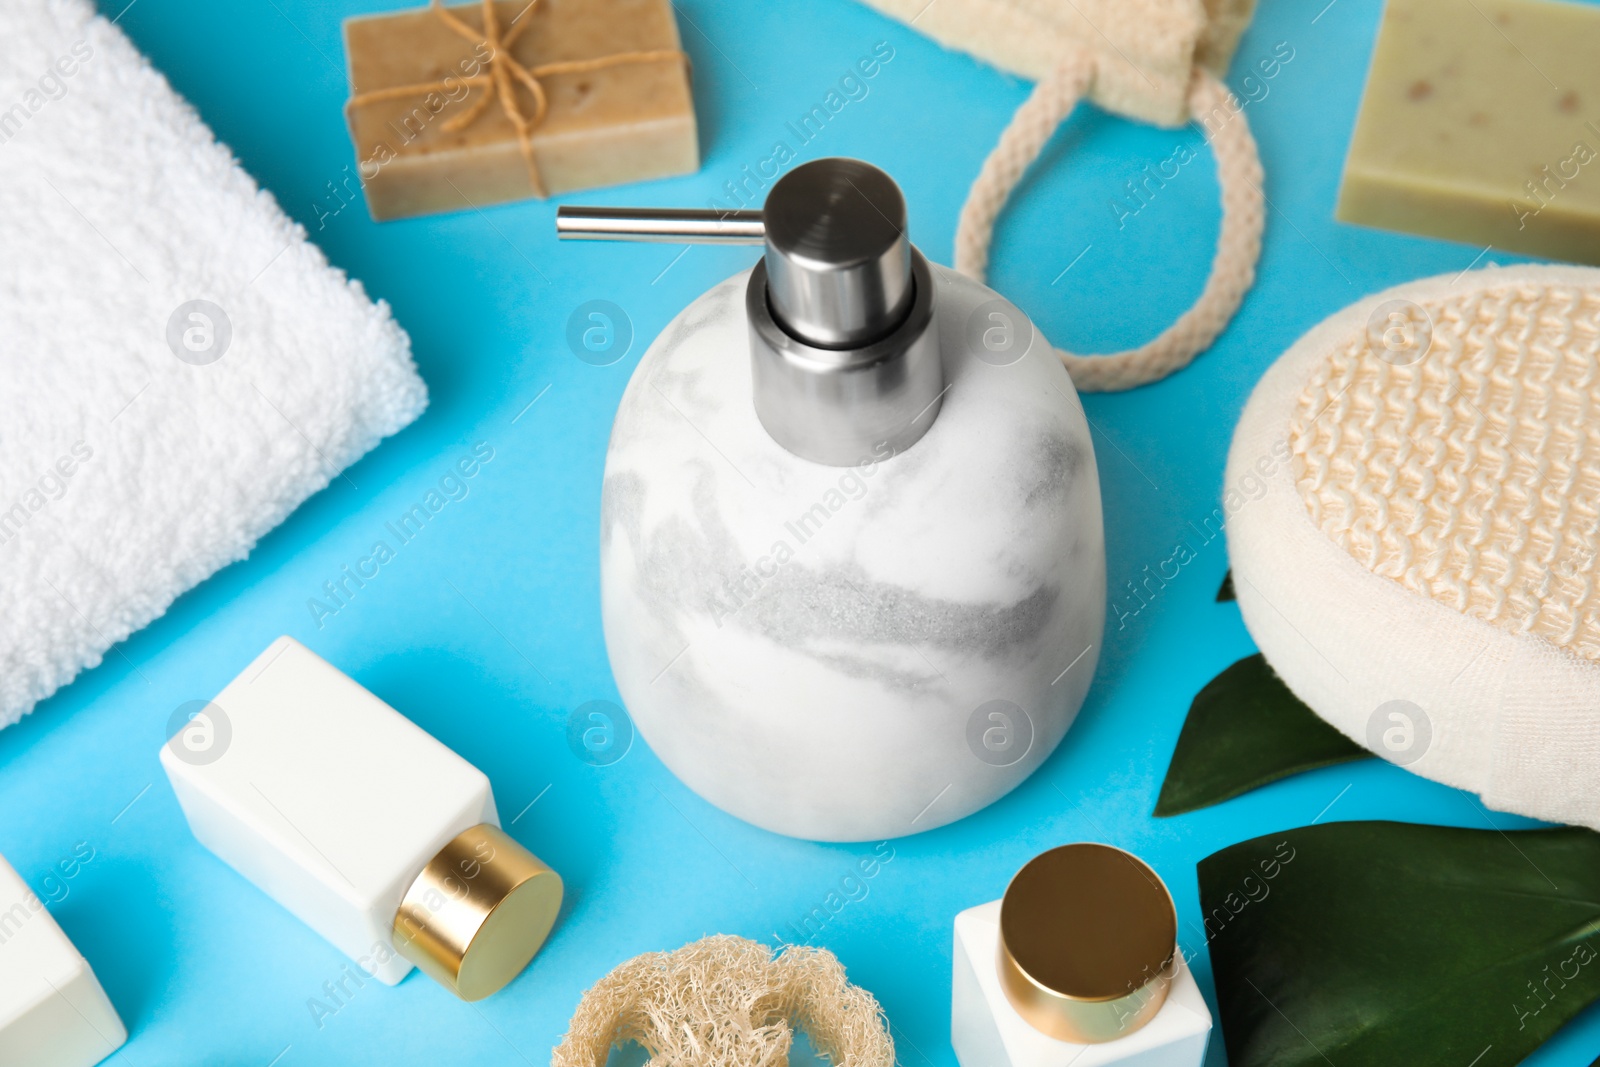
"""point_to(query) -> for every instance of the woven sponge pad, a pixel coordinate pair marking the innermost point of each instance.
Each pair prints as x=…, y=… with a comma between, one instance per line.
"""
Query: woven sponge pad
x=727, y=1002
x=1413, y=515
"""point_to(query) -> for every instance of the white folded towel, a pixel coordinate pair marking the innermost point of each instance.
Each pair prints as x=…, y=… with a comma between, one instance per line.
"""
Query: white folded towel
x=147, y=441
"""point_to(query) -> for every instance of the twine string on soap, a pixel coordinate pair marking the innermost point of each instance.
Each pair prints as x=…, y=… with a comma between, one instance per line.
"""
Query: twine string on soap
x=504, y=76
x=1238, y=242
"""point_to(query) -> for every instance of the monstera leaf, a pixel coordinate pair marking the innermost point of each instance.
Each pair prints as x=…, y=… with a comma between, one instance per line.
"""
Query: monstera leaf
x=1246, y=729
x=1379, y=944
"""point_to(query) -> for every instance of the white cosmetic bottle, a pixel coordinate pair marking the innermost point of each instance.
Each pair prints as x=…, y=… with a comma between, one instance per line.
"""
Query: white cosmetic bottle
x=361, y=824
x=1077, y=964
x=852, y=561
x=53, y=1012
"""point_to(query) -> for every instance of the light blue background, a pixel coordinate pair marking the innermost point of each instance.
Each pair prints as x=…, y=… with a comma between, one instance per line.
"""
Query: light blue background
x=207, y=970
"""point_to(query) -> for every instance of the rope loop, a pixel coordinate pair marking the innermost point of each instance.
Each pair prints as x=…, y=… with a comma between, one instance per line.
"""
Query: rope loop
x=1233, y=267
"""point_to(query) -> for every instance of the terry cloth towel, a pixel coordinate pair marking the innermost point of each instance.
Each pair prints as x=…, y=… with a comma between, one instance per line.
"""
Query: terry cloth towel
x=1413, y=515
x=179, y=368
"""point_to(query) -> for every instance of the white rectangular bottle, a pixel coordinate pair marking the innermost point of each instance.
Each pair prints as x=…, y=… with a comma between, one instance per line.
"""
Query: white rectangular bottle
x=53, y=1012
x=359, y=822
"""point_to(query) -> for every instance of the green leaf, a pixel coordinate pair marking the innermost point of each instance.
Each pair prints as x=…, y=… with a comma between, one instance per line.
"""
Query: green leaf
x=1377, y=944
x=1225, y=590
x=1246, y=729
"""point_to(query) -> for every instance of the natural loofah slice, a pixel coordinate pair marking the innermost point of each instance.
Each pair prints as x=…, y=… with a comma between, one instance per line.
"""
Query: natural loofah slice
x=1413, y=515
x=727, y=1002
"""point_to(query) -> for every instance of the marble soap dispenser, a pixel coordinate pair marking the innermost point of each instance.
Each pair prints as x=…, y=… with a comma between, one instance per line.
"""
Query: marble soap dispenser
x=852, y=562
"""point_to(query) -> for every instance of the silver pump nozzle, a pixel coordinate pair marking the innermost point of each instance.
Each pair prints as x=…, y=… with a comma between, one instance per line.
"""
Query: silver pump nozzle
x=845, y=355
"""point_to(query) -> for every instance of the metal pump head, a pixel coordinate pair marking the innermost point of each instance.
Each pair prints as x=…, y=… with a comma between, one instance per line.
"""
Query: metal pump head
x=838, y=262
x=845, y=357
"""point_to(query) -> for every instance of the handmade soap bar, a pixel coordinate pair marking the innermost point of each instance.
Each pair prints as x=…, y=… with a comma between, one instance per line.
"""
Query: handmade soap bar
x=457, y=107
x=370, y=831
x=1481, y=123
x=1422, y=572
x=53, y=1012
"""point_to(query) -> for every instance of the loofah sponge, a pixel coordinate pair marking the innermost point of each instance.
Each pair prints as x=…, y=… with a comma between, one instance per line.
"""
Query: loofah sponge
x=1413, y=516
x=727, y=1002
x=1143, y=51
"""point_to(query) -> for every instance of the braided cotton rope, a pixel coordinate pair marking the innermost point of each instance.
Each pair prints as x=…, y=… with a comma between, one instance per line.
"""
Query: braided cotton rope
x=1233, y=269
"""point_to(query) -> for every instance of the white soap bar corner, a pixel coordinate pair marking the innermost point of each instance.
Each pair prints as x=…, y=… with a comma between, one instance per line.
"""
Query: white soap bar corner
x=53, y=1012
x=987, y=1031
x=325, y=797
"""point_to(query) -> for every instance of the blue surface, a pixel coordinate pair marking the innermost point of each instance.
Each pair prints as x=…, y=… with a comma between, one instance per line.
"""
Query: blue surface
x=486, y=629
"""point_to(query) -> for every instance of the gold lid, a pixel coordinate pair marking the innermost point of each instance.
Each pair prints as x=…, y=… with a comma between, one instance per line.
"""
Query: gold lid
x=478, y=912
x=1088, y=943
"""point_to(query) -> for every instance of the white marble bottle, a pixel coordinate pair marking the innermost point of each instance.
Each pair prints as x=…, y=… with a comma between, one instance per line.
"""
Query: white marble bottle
x=360, y=823
x=53, y=1012
x=838, y=608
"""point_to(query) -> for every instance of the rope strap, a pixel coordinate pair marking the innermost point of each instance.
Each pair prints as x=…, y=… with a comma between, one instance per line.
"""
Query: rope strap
x=1233, y=269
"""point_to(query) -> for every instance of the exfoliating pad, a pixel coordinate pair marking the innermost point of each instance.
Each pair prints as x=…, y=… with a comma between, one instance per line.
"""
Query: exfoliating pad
x=1413, y=513
x=179, y=366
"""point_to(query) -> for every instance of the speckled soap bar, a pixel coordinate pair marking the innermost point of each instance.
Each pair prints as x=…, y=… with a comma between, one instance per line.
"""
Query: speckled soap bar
x=433, y=134
x=1481, y=123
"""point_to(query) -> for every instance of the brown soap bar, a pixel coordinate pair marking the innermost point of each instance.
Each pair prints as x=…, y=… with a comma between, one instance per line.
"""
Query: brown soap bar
x=432, y=133
x=1481, y=123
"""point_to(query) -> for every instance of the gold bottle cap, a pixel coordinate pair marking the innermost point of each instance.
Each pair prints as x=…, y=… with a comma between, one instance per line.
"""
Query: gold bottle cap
x=1088, y=943
x=478, y=912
